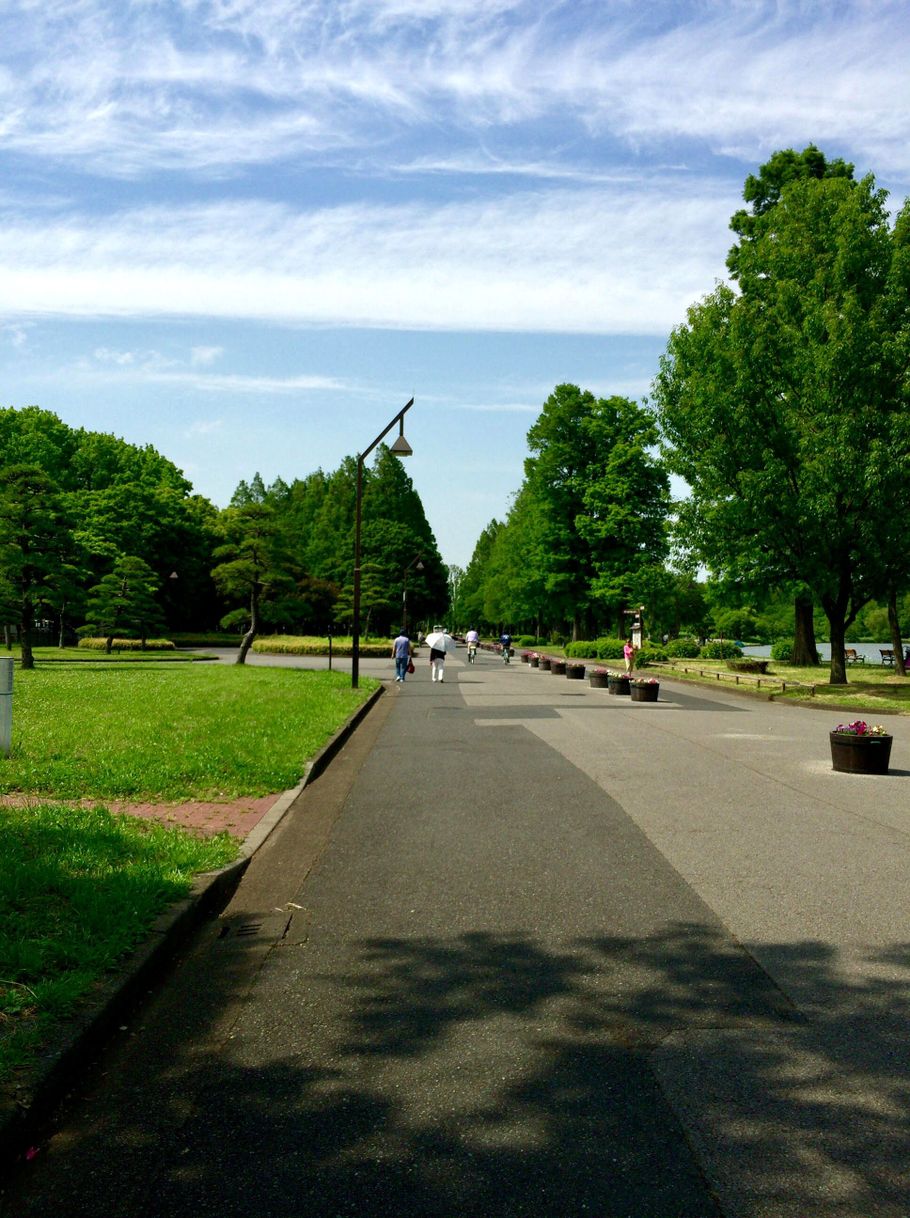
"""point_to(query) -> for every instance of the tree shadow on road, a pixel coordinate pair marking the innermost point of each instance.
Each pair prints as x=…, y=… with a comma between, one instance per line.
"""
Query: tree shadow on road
x=484, y=1074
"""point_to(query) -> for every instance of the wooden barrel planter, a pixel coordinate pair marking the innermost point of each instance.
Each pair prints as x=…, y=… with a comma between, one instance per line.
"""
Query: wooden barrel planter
x=545, y=663
x=533, y=661
x=644, y=693
x=575, y=672
x=860, y=754
x=525, y=658
x=619, y=685
x=599, y=680
x=558, y=668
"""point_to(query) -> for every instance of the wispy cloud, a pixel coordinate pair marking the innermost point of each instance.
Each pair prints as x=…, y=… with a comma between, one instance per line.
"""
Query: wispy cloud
x=620, y=260
x=203, y=356
x=154, y=368
x=216, y=85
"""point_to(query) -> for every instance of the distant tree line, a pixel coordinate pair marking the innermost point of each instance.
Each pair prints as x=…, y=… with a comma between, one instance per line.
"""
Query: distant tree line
x=101, y=536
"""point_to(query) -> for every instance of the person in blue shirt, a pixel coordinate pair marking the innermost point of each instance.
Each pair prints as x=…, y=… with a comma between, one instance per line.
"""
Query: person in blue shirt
x=505, y=640
x=401, y=652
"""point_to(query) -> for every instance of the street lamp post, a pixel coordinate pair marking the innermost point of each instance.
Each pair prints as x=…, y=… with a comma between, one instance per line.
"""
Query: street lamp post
x=417, y=563
x=401, y=448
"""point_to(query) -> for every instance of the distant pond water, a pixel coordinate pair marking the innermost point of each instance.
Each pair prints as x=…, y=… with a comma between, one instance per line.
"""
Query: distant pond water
x=870, y=650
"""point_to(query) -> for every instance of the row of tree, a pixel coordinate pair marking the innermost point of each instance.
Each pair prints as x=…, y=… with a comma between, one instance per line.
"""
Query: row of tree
x=99, y=533
x=784, y=404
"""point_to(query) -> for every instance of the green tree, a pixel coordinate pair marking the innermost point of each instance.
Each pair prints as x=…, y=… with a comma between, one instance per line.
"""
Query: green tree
x=601, y=499
x=784, y=406
x=255, y=569
x=35, y=544
x=123, y=603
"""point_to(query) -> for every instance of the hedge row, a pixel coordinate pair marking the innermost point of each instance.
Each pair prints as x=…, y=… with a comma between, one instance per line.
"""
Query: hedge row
x=305, y=645
x=127, y=644
x=612, y=649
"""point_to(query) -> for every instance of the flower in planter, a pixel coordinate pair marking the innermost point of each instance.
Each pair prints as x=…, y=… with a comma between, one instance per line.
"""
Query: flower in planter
x=575, y=664
x=642, y=681
x=597, y=671
x=859, y=727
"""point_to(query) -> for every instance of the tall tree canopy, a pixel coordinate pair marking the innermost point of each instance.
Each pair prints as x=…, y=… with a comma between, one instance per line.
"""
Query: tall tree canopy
x=785, y=406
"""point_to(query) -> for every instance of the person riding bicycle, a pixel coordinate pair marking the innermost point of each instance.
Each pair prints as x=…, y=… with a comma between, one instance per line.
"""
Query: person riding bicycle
x=472, y=638
x=505, y=640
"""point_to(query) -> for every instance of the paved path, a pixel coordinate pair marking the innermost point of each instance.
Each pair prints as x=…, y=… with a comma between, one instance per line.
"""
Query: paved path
x=527, y=949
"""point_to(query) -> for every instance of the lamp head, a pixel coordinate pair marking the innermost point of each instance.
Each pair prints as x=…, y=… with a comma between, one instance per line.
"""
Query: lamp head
x=400, y=447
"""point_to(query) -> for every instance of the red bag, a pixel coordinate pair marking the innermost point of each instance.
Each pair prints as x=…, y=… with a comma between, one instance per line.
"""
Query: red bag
x=411, y=667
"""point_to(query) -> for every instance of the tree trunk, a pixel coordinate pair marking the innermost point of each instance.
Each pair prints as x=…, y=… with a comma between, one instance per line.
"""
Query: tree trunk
x=25, y=634
x=109, y=644
x=805, y=651
x=896, y=641
x=61, y=631
x=7, y=635
x=836, y=613
x=247, y=641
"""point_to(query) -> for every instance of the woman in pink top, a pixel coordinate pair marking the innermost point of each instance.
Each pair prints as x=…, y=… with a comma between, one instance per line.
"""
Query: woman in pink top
x=629, y=655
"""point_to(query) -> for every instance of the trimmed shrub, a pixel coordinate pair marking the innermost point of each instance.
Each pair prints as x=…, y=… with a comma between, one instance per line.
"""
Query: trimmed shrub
x=307, y=645
x=581, y=651
x=650, y=653
x=610, y=649
x=127, y=644
x=684, y=649
x=721, y=651
x=782, y=649
x=210, y=638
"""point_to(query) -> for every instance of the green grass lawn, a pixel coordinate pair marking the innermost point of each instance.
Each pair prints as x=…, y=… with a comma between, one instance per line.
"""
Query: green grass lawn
x=868, y=689
x=80, y=887
x=170, y=732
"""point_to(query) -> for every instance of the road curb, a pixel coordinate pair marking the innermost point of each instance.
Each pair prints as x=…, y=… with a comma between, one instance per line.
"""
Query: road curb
x=23, y=1112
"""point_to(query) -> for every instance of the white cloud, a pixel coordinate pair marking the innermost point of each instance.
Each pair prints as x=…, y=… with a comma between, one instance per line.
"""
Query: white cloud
x=620, y=260
x=203, y=356
x=17, y=334
x=204, y=427
x=216, y=85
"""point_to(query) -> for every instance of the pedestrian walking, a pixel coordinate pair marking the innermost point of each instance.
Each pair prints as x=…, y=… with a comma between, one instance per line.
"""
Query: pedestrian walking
x=440, y=643
x=401, y=653
x=628, y=653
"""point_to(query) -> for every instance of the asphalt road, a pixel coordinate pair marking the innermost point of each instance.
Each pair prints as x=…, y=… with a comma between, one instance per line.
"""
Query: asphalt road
x=528, y=949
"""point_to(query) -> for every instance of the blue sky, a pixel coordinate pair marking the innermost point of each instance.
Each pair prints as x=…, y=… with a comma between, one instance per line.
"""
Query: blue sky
x=247, y=231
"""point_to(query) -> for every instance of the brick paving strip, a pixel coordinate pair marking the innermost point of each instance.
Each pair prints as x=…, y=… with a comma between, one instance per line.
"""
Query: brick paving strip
x=239, y=817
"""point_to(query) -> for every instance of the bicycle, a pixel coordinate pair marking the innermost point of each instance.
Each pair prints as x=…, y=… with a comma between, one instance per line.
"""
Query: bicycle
x=472, y=652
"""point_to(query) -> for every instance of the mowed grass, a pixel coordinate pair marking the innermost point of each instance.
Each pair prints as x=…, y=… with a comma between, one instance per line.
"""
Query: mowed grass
x=869, y=688
x=78, y=889
x=156, y=732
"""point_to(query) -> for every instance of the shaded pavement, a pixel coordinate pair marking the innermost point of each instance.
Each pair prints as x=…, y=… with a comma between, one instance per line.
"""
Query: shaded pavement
x=529, y=949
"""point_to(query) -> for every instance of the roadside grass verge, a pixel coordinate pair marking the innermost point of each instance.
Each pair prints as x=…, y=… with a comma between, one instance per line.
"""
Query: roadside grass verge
x=868, y=689
x=78, y=889
x=85, y=655
x=163, y=732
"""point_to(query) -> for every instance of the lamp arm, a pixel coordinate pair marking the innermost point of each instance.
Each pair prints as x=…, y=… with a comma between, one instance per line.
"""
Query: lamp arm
x=382, y=435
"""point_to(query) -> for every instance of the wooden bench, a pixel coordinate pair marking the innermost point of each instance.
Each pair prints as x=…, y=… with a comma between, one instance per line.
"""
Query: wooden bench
x=852, y=656
x=887, y=655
